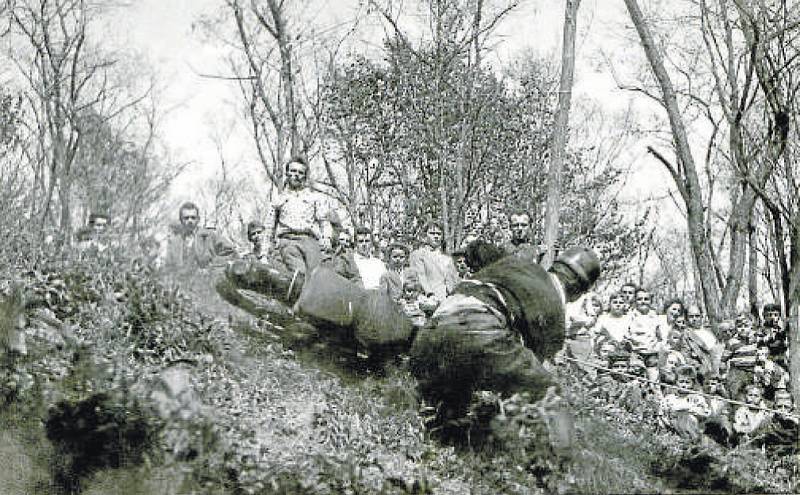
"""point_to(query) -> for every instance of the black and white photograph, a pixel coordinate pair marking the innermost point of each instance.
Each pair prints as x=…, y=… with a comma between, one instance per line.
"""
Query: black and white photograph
x=399, y=247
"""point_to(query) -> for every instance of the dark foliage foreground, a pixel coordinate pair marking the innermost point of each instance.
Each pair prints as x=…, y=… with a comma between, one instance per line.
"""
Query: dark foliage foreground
x=261, y=410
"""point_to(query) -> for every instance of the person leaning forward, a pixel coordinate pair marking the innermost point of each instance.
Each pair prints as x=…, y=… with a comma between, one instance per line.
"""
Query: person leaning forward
x=495, y=331
x=297, y=222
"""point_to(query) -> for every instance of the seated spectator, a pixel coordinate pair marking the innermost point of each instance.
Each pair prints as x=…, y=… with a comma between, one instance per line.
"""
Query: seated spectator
x=644, y=334
x=342, y=260
x=613, y=325
x=397, y=272
x=682, y=409
x=671, y=357
x=255, y=236
x=768, y=374
x=433, y=269
x=410, y=302
x=370, y=268
x=460, y=260
x=718, y=423
x=781, y=434
x=189, y=246
x=750, y=418
x=628, y=290
x=741, y=355
x=673, y=309
x=298, y=222
x=776, y=336
x=581, y=318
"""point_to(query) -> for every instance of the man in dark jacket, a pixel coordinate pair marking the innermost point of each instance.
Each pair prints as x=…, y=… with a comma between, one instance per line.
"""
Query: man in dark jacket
x=494, y=331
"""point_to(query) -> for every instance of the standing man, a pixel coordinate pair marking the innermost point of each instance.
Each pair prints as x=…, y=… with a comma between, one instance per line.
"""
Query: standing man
x=497, y=329
x=432, y=267
x=298, y=222
x=521, y=244
x=190, y=246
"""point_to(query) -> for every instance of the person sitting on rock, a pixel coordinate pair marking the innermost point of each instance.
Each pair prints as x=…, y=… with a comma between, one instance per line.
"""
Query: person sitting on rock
x=298, y=222
x=190, y=246
x=412, y=302
x=397, y=273
x=370, y=268
x=432, y=267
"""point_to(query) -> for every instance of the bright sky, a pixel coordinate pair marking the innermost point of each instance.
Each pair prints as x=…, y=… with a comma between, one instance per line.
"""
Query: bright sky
x=201, y=107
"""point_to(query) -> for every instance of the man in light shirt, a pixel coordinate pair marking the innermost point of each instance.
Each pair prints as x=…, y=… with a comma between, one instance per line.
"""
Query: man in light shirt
x=370, y=268
x=298, y=222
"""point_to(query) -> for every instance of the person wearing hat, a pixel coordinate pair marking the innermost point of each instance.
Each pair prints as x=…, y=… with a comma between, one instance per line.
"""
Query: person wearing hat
x=495, y=331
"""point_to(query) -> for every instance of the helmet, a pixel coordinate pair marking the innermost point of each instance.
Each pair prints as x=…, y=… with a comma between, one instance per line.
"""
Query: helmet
x=583, y=262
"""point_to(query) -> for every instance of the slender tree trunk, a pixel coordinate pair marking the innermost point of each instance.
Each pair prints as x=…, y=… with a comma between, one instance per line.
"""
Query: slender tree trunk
x=793, y=327
x=561, y=131
x=685, y=175
x=752, y=265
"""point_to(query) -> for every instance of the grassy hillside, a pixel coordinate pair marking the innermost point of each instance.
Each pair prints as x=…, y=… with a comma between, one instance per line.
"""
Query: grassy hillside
x=192, y=395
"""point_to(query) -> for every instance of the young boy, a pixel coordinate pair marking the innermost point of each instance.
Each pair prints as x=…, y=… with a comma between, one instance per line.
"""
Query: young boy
x=748, y=419
x=410, y=302
x=682, y=409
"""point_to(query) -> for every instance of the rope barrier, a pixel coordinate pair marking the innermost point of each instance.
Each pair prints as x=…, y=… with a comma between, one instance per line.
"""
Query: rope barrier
x=682, y=389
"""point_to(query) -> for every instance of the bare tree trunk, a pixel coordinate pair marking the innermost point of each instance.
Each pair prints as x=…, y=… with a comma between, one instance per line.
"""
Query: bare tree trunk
x=752, y=265
x=685, y=174
x=794, y=311
x=561, y=131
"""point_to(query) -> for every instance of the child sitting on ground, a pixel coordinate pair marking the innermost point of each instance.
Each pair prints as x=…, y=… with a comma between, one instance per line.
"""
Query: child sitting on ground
x=682, y=409
x=750, y=418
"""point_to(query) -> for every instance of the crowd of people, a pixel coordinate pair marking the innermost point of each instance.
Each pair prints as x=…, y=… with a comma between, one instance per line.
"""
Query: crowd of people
x=727, y=381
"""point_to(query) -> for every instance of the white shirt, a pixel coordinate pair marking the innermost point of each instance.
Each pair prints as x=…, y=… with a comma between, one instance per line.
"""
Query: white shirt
x=371, y=270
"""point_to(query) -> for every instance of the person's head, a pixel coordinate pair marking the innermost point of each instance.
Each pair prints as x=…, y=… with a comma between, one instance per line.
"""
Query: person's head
x=578, y=268
x=344, y=240
x=783, y=401
x=255, y=231
x=481, y=253
x=397, y=256
x=364, y=241
x=296, y=173
x=460, y=260
x=189, y=215
x=434, y=234
x=411, y=290
x=726, y=328
x=744, y=324
x=713, y=384
x=679, y=323
x=694, y=316
x=753, y=394
x=673, y=308
x=685, y=378
x=98, y=222
x=593, y=305
x=628, y=289
x=675, y=339
x=762, y=354
x=771, y=313
x=618, y=304
x=605, y=349
x=643, y=301
x=520, y=222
